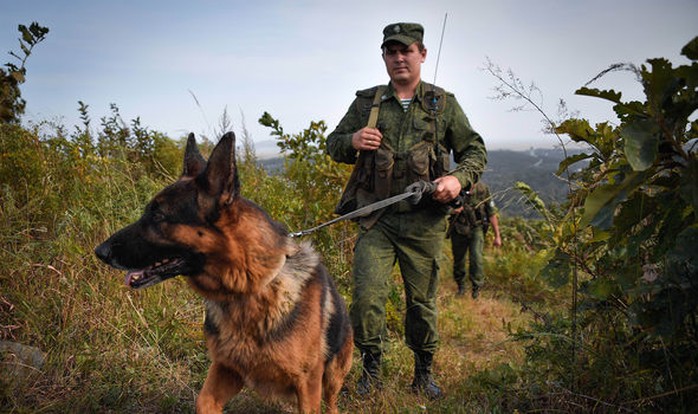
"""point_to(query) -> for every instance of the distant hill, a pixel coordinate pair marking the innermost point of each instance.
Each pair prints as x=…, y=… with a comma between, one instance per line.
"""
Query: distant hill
x=535, y=167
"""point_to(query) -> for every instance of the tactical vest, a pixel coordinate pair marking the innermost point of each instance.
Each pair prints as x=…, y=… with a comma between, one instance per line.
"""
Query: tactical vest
x=375, y=176
x=472, y=216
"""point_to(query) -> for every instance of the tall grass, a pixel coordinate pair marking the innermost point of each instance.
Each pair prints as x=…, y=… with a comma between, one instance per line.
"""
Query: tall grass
x=97, y=337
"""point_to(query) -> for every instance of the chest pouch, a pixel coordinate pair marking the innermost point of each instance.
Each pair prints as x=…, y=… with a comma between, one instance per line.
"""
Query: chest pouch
x=419, y=158
x=384, y=165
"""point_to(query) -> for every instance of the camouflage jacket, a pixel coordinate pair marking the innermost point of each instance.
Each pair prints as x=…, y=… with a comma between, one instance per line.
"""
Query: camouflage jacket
x=408, y=151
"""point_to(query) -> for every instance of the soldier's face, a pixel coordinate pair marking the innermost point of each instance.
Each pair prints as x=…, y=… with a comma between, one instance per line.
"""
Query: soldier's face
x=403, y=63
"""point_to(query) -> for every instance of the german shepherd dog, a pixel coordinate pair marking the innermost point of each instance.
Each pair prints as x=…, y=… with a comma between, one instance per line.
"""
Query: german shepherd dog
x=274, y=319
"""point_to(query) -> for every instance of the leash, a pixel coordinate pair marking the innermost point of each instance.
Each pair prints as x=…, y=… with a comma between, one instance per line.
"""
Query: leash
x=413, y=193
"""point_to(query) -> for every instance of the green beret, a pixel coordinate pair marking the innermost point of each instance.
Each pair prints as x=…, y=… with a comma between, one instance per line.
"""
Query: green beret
x=405, y=33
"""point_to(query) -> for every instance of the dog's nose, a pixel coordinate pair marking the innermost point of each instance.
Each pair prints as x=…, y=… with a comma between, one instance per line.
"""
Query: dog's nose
x=103, y=251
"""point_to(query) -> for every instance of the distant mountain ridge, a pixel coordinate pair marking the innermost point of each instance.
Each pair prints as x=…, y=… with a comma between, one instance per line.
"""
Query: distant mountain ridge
x=535, y=167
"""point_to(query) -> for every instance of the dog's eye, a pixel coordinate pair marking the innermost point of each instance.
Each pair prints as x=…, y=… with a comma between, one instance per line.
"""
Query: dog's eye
x=158, y=216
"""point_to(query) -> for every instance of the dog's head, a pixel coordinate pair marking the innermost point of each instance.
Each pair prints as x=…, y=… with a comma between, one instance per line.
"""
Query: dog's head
x=179, y=227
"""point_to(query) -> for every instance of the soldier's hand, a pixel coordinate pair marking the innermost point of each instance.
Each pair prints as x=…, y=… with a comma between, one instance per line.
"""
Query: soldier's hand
x=366, y=139
x=447, y=188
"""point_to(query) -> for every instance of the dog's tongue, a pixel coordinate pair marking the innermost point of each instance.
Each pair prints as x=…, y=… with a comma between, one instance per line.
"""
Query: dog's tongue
x=130, y=275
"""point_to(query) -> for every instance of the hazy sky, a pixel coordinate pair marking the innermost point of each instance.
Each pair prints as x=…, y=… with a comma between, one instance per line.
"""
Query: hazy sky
x=302, y=61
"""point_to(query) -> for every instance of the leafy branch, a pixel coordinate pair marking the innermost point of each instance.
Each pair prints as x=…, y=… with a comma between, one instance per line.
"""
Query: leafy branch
x=11, y=103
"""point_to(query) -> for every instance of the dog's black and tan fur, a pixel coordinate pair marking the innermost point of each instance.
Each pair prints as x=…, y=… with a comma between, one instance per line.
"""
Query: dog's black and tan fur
x=274, y=320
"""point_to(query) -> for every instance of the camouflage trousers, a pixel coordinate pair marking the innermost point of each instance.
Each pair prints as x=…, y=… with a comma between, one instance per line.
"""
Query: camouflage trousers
x=413, y=240
x=469, y=248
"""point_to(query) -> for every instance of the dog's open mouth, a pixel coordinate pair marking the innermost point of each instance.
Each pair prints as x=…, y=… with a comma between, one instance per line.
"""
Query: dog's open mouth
x=154, y=274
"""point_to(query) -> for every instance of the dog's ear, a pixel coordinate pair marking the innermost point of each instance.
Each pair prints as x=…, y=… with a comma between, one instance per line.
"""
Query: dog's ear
x=194, y=162
x=221, y=172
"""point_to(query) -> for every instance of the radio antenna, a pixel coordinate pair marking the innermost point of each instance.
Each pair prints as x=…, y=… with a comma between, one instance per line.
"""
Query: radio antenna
x=434, y=106
x=441, y=42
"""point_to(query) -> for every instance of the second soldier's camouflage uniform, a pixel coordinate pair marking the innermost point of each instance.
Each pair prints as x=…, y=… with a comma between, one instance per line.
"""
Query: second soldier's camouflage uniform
x=467, y=233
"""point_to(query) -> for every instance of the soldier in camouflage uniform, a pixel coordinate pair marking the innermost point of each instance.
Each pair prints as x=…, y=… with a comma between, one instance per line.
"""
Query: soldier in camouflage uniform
x=416, y=128
x=469, y=225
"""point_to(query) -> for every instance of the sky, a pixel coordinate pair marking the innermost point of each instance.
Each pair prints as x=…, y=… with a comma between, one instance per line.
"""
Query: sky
x=179, y=65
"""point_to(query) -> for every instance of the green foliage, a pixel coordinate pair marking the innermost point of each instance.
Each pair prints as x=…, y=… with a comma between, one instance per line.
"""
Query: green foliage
x=624, y=252
x=135, y=143
x=11, y=103
x=627, y=247
x=312, y=183
x=309, y=168
x=639, y=194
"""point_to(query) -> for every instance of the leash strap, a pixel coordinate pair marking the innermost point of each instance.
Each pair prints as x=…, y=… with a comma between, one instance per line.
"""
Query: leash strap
x=413, y=193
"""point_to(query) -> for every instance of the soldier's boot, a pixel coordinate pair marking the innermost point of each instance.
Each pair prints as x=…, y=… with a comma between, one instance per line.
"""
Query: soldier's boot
x=476, y=292
x=461, y=288
x=370, y=374
x=423, y=382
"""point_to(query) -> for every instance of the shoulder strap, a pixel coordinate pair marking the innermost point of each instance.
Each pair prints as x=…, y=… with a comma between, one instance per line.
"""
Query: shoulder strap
x=375, y=107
